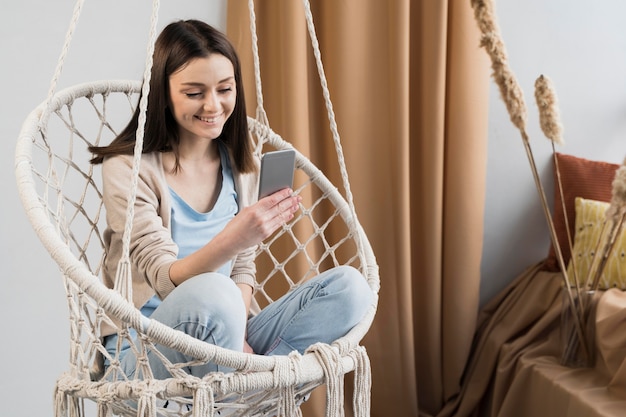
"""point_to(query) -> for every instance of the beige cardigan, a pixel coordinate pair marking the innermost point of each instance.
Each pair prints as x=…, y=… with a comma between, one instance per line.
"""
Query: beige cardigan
x=152, y=250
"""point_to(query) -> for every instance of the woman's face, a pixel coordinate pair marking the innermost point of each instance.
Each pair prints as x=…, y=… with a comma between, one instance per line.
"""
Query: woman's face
x=202, y=96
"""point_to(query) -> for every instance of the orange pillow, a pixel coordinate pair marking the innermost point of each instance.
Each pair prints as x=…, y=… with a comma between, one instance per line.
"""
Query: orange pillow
x=580, y=177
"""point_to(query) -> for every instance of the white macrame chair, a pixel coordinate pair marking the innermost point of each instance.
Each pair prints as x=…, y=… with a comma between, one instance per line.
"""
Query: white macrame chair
x=61, y=193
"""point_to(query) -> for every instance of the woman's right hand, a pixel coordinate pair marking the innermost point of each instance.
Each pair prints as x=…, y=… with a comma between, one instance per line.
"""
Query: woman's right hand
x=252, y=225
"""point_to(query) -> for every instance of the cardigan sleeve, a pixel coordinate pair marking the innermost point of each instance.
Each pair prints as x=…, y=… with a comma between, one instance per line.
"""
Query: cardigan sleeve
x=152, y=250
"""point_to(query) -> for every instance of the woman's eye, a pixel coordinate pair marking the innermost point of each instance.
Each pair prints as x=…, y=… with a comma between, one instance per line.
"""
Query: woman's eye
x=226, y=90
x=192, y=95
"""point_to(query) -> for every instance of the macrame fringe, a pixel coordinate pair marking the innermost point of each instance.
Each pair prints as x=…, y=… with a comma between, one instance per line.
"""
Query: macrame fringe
x=286, y=375
x=66, y=405
x=361, y=400
x=203, y=401
x=75, y=409
x=123, y=279
x=330, y=360
x=146, y=407
x=60, y=402
x=104, y=410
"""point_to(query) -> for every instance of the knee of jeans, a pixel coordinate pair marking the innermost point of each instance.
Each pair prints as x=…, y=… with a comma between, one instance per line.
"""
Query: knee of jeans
x=356, y=292
x=213, y=297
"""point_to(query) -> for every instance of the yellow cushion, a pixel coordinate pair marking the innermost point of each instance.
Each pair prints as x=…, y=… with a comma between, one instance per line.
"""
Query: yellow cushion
x=590, y=217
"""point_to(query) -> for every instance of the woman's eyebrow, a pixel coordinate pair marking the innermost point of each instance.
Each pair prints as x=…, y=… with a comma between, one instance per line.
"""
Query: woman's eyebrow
x=199, y=84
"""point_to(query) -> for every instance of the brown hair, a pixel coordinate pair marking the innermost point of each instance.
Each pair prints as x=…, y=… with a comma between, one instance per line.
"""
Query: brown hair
x=179, y=43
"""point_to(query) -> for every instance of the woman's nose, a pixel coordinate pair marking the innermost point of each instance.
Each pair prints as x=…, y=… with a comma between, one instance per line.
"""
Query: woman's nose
x=211, y=102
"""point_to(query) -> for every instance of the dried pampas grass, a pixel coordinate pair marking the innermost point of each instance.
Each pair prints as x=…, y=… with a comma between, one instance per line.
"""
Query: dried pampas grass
x=510, y=91
x=513, y=97
x=617, y=208
x=549, y=117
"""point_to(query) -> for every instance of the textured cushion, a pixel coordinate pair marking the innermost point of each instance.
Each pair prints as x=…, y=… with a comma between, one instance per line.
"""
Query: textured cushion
x=580, y=178
x=590, y=217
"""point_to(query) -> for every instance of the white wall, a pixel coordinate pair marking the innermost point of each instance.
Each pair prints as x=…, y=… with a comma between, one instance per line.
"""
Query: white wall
x=581, y=46
x=110, y=42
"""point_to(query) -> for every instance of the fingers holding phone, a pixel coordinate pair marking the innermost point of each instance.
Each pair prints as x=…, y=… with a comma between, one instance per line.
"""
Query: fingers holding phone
x=281, y=206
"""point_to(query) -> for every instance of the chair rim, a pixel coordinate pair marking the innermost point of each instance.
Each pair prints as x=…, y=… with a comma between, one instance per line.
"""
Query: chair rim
x=118, y=307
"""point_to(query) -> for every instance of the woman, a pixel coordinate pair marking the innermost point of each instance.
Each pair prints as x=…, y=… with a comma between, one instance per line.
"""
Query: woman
x=197, y=221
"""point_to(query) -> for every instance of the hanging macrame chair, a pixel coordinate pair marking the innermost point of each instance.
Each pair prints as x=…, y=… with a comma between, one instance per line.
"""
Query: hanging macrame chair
x=61, y=193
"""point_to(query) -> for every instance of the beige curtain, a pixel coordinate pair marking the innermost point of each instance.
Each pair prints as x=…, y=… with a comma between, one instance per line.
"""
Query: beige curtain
x=409, y=86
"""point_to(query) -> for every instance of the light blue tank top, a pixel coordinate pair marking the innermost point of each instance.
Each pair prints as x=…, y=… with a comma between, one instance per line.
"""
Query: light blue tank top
x=191, y=230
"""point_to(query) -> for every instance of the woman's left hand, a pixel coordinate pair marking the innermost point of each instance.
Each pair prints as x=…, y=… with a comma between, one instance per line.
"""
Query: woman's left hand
x=257, y=222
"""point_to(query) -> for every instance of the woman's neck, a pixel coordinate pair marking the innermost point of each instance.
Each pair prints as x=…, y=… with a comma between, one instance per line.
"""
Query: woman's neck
x=198, y=178
x=198, y=152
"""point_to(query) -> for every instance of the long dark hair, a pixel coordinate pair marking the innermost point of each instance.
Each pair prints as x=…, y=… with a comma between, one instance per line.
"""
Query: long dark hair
x=179, y=43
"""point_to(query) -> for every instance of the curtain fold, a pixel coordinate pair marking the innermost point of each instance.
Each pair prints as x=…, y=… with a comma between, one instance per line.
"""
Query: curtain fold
x=409, y=88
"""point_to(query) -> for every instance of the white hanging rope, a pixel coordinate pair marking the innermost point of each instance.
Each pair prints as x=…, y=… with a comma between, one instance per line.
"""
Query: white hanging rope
x=123, y=278
x=43, y=120
x=261, y=115
x=331, y=118
x=45, y=114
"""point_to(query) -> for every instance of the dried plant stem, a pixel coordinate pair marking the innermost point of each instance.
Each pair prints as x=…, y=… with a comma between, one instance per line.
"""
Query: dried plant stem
x=573, y=340
x=559, y=186
x=546, y=209
x=596, y=250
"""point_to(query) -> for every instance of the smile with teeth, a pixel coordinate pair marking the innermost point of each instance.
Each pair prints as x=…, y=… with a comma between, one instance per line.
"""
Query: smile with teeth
x=212, y=119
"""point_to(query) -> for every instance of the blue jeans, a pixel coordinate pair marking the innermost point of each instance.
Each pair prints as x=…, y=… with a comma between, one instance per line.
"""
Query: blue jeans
x=209, y=307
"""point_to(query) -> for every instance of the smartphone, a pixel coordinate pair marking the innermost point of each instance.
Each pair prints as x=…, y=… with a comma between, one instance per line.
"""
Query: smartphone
x=277, y=169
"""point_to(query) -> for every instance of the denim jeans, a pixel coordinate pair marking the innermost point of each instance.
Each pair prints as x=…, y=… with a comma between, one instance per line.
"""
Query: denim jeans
x=209, y=307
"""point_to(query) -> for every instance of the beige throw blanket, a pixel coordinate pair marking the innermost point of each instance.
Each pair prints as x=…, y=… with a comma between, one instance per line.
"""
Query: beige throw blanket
x=514, y=369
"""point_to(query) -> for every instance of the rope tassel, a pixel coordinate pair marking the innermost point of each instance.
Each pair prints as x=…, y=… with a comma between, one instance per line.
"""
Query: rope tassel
x=361, y=401
x=286, y=374
x=147, y=404
x=330, y=361
x=124, y=280
x=203, y=401
x=60, y=402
